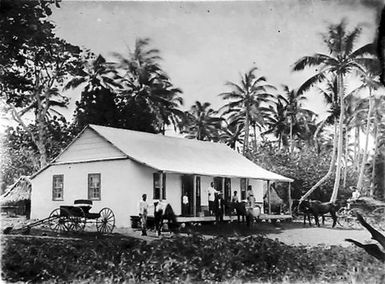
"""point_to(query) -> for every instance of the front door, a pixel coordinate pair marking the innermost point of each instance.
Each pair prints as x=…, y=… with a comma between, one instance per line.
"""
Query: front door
x=197, y=195
x=187, y=195
x=218, y=184
x=227, y=195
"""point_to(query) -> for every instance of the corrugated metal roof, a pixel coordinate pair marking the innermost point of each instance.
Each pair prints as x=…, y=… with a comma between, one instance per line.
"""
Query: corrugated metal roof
x=187, y=156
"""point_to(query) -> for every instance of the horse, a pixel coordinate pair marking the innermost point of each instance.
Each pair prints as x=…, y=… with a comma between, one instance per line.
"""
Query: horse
x=244, y=211
x=317, y=208
x=296, y=207
x=162, y=211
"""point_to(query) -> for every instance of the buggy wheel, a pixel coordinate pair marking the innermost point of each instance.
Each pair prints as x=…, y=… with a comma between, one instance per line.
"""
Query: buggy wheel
x=343, y=217
x=352, y=222
x=77, y=223
x=58, y=223
x=106, y=222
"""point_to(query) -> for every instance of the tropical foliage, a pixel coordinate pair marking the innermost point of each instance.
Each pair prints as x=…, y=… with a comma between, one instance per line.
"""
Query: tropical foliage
x=132, y=91
x=246, y=103
x=202, y=122
x=341, y=61
x=34, y=65
x=191, y=259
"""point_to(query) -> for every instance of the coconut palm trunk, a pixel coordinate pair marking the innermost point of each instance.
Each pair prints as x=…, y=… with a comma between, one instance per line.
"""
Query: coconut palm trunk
x=346, y=157
x=246, y=139
x=291, y=135
x=341, y=92
x=331, y=167
x=356, y=147
x=374, y=156
x=365, y=155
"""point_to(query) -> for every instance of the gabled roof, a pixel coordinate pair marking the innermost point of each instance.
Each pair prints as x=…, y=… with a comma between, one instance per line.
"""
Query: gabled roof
x=185, y=156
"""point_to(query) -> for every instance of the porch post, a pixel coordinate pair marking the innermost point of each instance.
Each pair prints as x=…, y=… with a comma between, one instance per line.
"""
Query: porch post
x=290, y=201
x=268, y=197
x=194, y=197
x=160, y=185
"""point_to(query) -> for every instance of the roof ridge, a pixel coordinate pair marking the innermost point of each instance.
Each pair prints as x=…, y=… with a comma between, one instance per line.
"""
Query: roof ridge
x=158, y=135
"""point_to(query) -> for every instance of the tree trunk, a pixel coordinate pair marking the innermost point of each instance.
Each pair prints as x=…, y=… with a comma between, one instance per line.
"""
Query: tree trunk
x=356, y=147
x=319, y=127
x=346, y=158
x=37, y=140
x=40, y=142
x=365, y=154
x=340, y=87
x=291, y=136
x=374, y=156
x=246, y=139
x=255, y=137
x=331, y=167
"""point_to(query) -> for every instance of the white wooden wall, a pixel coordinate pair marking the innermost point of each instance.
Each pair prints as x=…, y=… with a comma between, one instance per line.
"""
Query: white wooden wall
x=89, y=146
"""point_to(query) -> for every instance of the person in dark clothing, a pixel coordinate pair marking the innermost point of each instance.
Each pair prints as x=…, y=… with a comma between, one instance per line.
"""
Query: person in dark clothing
x=219, y=207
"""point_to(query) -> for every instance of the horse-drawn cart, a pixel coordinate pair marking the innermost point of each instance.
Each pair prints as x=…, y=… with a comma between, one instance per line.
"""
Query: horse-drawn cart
x=372, y=209
x=73, y=218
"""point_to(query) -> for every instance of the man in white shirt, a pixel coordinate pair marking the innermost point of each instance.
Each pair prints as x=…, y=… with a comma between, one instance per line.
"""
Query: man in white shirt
x=143, y=211
x=211, y=192
x=356, y=194
x=185, y=208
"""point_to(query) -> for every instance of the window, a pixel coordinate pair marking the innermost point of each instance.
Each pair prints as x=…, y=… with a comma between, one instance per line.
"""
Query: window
x=157, y=193
x=243, y=188
x=57, y=187
x=94, y=186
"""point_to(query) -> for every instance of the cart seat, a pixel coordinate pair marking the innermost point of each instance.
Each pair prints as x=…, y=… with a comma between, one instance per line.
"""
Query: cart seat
x=92, y=215
x=85, y=204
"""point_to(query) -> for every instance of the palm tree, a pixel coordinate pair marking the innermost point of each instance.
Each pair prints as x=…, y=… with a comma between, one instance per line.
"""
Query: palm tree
x=145, y=84
x=232, y=134
x=97, y=103
x=246, y=101
x=378, y=121
x=96, y=74
x=340, y=61
x=296, y=115
x=276, y=121
x=289, y=111
x=372, y=83
x=202, y=122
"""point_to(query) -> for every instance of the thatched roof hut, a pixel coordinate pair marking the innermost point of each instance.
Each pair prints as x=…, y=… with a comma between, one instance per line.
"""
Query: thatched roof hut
x=19, y=191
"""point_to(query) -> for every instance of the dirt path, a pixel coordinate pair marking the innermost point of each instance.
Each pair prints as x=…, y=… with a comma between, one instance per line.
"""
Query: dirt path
x=289, y=233
x=293, y=233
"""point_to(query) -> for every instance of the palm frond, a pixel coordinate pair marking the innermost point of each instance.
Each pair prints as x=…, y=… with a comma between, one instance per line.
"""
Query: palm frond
x=311, y=82
x=311, y=61
x=368, y=49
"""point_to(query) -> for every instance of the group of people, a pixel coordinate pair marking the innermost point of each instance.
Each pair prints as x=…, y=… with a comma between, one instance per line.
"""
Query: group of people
x=216, y=201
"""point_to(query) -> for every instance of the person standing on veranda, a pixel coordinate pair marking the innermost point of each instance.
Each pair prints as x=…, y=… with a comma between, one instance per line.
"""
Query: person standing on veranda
x=143, y=211
x=211, y=195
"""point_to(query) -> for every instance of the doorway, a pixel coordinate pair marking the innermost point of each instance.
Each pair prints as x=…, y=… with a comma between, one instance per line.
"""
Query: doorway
x=218, y=184
x=187, y=195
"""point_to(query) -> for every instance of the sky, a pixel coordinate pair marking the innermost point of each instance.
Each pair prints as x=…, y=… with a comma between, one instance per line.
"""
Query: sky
x=207, y=43
x=204, y=44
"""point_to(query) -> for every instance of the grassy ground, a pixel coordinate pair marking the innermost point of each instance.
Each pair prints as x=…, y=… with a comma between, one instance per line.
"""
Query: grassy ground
x=222, y=257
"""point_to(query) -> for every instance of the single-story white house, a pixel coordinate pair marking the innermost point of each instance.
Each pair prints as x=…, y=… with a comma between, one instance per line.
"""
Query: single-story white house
x=114, y=167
